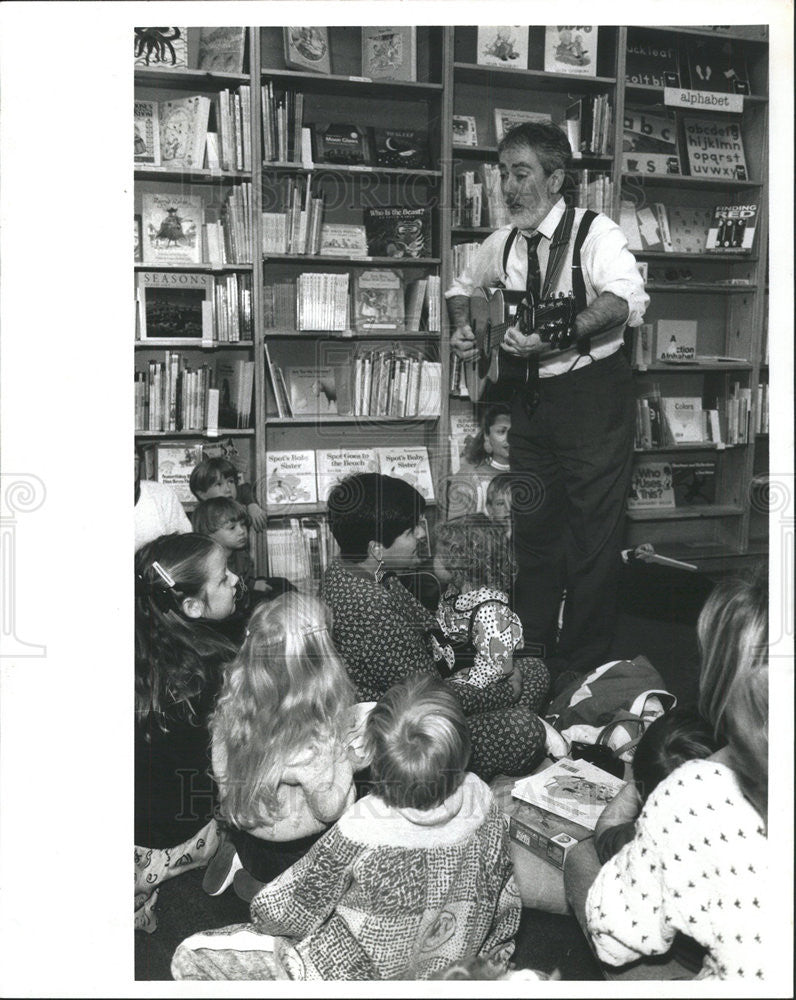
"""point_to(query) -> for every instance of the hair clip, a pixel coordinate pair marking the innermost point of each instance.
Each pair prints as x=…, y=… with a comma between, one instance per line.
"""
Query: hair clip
x=164, y=576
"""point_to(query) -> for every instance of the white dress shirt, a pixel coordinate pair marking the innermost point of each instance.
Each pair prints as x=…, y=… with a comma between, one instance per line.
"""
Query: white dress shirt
x=607, y=266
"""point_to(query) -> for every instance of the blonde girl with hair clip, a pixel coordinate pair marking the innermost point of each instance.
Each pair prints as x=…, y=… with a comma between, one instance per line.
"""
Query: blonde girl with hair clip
x=285, y=739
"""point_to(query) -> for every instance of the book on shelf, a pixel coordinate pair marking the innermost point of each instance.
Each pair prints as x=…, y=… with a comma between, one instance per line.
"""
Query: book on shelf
x=172, y=305
x=138, y=243
x=161, y=48
x=464, y=255
x=221, y=49
x=172, y=395
x=652, y=59
x=300, y=549
x=340, y=239
x=643, y=345
x=737, y=412
x=571, y=48
x=279, y=305
x=468, y=200
x=588, y=126
x=465, y=132
x=174, y=465
x=684, y=419
x=235, y=383
x=694, y=482
x=343, y=144
x=432, y=309
x=283, y=126
x=172, y=227
x=183, y=131
x=497, y=213
x=574, y=789
x=398, y=231
x=277, y=401
x=663, y=225
x=290, y=478
x=594, y=190
x=311, y=389
x=651, y=487
x=649, y=143
x=390, y=53
x=322, y=301
x=236, y=454
x=232, y=113
x=688, y=226
x=640, y=226
x=463, y=430
x=505, y=45
x=146, y=133
x=717, y=65
x=296, y=229
x=761, y=409
x=714, y=148
x=676, y=339
x=410, y=464
x=508, y=118
x=307, y=48
x=414, y=300
x=400, y=147
x=334, y=464
x=378, y=300
x=732, y=229
x=651, y=429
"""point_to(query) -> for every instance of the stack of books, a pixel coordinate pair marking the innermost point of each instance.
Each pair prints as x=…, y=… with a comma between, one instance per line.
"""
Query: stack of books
x=322, y=301
x=171, y=395
x=296, y=229
x=395, y=384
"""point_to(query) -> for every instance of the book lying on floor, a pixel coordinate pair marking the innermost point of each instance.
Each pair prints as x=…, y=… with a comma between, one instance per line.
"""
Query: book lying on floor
x=574, y=789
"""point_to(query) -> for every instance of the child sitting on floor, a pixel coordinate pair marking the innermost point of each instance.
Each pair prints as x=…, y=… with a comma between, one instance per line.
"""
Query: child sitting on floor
x=414, y=876
x=227, y=523
x=218, y=477
x=498, y=500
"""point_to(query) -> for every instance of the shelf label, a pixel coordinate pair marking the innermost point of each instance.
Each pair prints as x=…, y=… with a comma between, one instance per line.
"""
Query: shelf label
x=361, y=79
x=702, y=100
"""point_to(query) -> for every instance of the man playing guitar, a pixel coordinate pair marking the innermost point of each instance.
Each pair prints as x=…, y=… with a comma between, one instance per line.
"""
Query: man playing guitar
x=571, y=438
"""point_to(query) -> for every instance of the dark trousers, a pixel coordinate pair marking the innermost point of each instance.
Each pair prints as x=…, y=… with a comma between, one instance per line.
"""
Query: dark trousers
x=572, y=458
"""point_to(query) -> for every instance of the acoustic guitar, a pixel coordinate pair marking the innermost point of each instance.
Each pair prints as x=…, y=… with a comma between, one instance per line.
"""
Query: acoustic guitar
x=492, y=312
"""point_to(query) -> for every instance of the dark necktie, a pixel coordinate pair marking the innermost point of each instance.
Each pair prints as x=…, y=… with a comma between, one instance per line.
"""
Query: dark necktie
x=533, y=283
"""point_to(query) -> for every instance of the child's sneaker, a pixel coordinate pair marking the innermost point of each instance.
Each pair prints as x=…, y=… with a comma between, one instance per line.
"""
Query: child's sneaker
x=246, y=886
x=221, y=870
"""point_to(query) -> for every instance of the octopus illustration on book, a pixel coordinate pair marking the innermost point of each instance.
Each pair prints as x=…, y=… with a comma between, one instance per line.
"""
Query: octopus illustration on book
x=155, y=44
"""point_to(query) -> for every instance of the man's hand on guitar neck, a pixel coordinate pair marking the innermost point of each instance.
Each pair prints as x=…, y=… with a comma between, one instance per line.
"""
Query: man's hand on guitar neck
x=520, y=345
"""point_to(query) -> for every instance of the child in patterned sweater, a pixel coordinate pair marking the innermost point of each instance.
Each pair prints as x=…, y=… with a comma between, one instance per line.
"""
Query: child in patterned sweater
x=414, y=876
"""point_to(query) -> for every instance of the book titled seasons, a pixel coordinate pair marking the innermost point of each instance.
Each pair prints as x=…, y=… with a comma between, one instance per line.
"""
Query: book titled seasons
x=398, y=232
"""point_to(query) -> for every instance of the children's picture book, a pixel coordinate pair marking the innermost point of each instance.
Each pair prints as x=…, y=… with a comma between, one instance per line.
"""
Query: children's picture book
x=717, y=64
x=221, y=49
x=290, y=478
x=649, y=143
x=398, y=231
x=400, y=147
x=651, y=487
x=161, y=48
x=694, y=483
x=175, y=463
x=235, y=450
x=138, y=248
x=410, y=464
x=507, y=118
x=732, y=229
x=652, y=59
x=463, y=431
x=341, y=239
x=677, y=339
x=465, y=132
x=688, y=225
x=311, y=389
x=683, y=416
x=307, y=48
x=714, y=148
x=333, y=465
x=571, y=48
x=574, y=789
x=146, y=134
x=505, y=46
x=235, y=383
x=378, y=300
x=172, y=304
x=172, y=227
x=342, y=143
x=183, y=132
x=390, y=53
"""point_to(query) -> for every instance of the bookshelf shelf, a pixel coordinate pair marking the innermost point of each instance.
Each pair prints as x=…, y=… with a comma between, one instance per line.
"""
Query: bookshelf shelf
x=349, y=418
x=643, y=91
x=336, y=84
x=686, y=368
x=532, y=79
x=724, y=258
x=187, y=79
x=182, y=343
x=686, y=513
x=736, y=34
x=345, y=262
x=685, y=181
x=353, y=335
x=347, y=169
x=675, y=449
x=197, y=176
x=204, y=268
x=179, y=435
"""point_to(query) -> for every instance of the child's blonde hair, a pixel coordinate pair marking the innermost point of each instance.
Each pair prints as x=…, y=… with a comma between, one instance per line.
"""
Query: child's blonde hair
x=418, y=743
x=476, y=552
x=286, y=689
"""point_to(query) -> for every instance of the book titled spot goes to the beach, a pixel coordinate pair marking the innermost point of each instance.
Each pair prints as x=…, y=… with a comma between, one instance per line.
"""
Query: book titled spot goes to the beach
x=574, y=789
